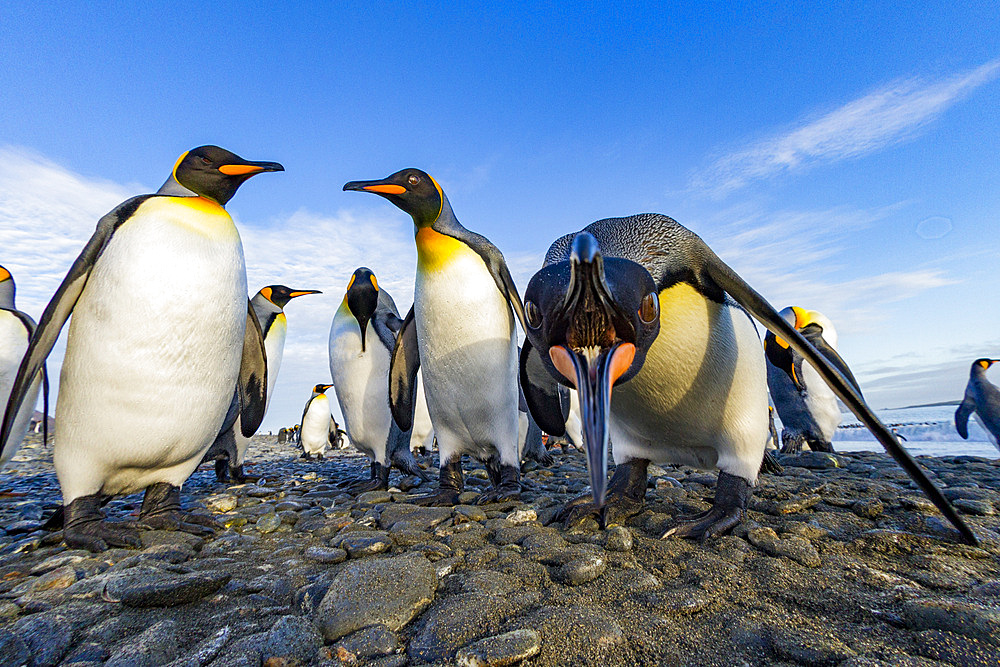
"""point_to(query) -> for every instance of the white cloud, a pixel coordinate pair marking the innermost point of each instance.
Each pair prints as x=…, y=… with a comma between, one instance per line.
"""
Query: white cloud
x=887, y=116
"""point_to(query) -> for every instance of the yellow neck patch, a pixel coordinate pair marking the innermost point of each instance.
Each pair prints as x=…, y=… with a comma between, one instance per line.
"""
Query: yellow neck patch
x=434, y=249
x=201, y=204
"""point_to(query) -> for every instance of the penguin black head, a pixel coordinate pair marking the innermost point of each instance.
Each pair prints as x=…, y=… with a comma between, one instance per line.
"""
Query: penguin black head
x=215, y=173
x=321, y=388
x=983, y=364
x=592, y=319
x=362, y=298
x=778, y=352
x=412, y=190
x=280, y=295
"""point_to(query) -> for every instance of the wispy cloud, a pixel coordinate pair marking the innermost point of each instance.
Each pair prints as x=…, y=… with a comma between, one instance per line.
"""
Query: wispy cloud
x=887, y=116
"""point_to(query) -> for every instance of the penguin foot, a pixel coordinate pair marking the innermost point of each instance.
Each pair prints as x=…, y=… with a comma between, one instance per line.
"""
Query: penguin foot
x=84, y=527
x=506, y=485
x=450, y=485
x=379, y=480
x=319, y=457
x=161, y=510
x=306, y=455
x=732, y=495
x=222, y=469
x=626, y=498
x=791, y=444
x=240, y=477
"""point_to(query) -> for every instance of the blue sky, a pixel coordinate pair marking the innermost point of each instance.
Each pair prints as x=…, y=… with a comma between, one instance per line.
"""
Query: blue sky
x=842, y=158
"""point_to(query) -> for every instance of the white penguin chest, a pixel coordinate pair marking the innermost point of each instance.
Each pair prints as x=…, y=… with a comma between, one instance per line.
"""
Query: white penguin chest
x=274, y=347
x=316, y=425
x=361, y=380
x=13, y=345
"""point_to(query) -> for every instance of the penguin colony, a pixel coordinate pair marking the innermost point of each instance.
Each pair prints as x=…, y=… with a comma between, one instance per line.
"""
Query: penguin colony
x=639, y=340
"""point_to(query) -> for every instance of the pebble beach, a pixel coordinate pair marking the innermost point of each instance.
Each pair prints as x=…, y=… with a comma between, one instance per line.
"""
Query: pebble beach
x=842, y=561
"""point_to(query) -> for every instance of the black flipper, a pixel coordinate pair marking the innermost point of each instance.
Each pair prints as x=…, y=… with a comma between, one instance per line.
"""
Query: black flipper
x=814, y=335
x=963, y=413
x=60, y=306
x=541, y=392
x=403, y=373
x=757, y=306
x=399, y=456
x=252, y=388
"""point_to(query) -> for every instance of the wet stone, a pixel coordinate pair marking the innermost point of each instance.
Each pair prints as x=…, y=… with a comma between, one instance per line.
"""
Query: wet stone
x=360, y=545
x=375, y=640
x=582, y=570
x=963, y=618
x=157, y=645
x=796, y=505
x=455, y=622
x=390, y=591
x=164, y=589
x=974, y=507
x=13, y=650
x=325, y=554
x=291, y=637
x=501, y=650
x=676, y=602
x=221, y=503
x=953, y=649
x=868, y=508
x=268, y=523
x=810, y=648
x=373, y=497
x=618, y=538
x=798, y=549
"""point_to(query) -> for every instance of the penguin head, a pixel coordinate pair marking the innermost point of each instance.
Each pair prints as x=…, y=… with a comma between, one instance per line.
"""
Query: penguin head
x=412, y=190
x=215, y=173
x=362, y=298
x=280, y=295
x=321, y=388
x=981, y=365
x=810, y=323
x=7, y=289
x=592, y=319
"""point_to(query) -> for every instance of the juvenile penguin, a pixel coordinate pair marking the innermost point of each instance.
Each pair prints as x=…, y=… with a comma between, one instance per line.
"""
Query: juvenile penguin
x=806, y=405
x=316, y=423
x=461, y=332
x=15, y=332
x=642, y=305
x=982, y=400
x=362, y=336
x=230, y=446
x=162, y=331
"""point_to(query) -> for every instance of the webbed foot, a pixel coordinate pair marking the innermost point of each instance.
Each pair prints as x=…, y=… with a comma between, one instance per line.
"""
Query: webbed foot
x=222, y=470
x=626, y=497
x=161, y=510
x=450, y=486
x=379, y=480
x=84, y=527
x=506, y=484
x=732, y=494
x=239, y=475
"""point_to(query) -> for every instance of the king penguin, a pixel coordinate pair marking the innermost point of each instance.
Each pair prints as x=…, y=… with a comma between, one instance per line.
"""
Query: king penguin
x=362, y=336
x=230, y=446
x=16, y=329
x=316, y=423
x=162, y=331
x=806, y=405
x=461, y=332
x=982, y=401
x=654, y=332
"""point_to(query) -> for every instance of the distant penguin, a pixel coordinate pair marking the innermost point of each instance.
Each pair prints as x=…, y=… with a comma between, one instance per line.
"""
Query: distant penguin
x=162, y=332
x=316, y=423
x=806, y=405
x=282, y=436
x=230, y=446
x=16, y=329
x=461, y=333
x=982, y=401
x=362, y=336
x=654, y=332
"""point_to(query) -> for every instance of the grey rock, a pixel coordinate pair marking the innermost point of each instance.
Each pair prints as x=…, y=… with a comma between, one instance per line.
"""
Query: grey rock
x=157, y=645
x=962, y=618
x=456, y=621
x=957, y=650
x=501, y=650
x=390, y=591
x=164, y=589
x=50, y=634
x=868, y=508
x=375, y=640
x=360, y=544
x=798, y=549
x=415, y=516
x=291, y=637
x=374, y=497
x=582, y=570
x=810, y=648
x=974, y=507
x=13, y=650
x=206, y=651
x=268, y=523
x=574, y=634
x=325, y=554
x=224, y=502
x=618, y=538
x=677, y=602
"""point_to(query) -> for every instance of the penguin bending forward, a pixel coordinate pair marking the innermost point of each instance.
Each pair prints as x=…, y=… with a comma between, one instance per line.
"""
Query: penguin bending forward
x=16, y=329
x=806, y=405
x=362, y=336
x=654, y=332
x=982, y=401
x=316, y=423
x=230, y=446
x=162, y=331
x=461, y=332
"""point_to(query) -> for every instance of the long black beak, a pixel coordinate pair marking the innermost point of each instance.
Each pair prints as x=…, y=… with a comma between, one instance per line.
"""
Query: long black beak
x=593, y=368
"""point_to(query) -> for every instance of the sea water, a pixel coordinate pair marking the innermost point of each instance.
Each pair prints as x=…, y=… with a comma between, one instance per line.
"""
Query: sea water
x=928, y=430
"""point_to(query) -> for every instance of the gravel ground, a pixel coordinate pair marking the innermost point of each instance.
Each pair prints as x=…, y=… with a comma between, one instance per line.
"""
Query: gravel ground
x=841, y=562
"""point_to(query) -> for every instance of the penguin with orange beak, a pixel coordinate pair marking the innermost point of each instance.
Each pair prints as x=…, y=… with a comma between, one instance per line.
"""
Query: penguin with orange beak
x=981, y=401
x=654, y=331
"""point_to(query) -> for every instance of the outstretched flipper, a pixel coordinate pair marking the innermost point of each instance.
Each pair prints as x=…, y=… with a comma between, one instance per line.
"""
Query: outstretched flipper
x=757, y=306
x=963, y=413
x=403, y=373
x=59, y=309
x=252, y=388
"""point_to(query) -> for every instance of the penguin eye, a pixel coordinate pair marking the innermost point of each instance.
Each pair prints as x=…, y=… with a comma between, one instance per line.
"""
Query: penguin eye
x=649, y=308
x=413, y=179
x=205, y=160
x=533, y=314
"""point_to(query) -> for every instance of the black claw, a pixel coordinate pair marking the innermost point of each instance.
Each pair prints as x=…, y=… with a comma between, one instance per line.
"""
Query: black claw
x=732, y=495
x=379, y=480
